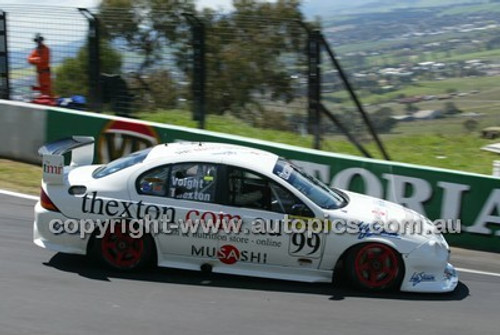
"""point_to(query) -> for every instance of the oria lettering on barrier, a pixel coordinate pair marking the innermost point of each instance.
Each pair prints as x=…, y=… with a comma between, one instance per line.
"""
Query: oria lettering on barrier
x=413, y=193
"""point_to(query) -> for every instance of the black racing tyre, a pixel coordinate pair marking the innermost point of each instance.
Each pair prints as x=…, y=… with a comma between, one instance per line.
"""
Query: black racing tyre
x=374, y=266
x=121, y=250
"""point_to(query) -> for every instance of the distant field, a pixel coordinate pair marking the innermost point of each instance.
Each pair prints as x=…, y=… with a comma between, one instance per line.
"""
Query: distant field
x=482, y=55
x=488, y=97
x=388, y=59
x=487, y=7
x=417, y=142
x=434, y=3
x=455, y=139
x=366, y=7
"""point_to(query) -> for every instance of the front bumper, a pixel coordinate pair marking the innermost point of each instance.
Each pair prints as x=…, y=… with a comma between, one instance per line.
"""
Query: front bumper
x=428, y=270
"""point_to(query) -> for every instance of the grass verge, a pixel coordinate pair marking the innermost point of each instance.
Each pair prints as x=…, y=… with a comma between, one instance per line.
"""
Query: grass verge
x=20, y=177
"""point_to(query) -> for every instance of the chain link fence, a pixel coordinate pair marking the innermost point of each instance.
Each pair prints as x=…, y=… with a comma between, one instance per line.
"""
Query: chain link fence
x=154, y=53
x=256, y=68
x=63, y=29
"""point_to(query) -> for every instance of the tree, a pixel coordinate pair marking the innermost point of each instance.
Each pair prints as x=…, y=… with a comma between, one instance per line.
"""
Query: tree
x=383, y=120
x=245, y=49
x=245, y=56
x=156, y=90
x=450, y=108
x=72, y=76
x=410, y=108
x=470, y=125
x=146, y=26
x=493, y=43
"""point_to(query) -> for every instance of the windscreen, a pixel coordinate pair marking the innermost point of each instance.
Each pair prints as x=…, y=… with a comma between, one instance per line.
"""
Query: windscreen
x=311, y=187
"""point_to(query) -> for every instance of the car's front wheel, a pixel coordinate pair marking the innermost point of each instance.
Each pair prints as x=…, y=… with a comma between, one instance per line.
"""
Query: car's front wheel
x=375, y=266
x=121, y=250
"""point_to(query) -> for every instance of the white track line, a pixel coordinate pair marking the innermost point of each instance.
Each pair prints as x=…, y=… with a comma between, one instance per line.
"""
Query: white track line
x=19, y=195
x=493, y=274
x=35, y=198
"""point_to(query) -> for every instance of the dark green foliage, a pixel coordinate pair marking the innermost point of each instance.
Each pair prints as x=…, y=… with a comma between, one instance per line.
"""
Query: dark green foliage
x=72, y=76
x=382, y=120
x=247, y=51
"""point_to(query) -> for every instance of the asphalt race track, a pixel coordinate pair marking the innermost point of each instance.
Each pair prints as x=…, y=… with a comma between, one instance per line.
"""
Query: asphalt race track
x=42, y=292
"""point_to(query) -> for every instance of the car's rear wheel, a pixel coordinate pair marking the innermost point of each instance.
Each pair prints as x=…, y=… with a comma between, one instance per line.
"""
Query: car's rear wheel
x=121, y=250
x=375, y=266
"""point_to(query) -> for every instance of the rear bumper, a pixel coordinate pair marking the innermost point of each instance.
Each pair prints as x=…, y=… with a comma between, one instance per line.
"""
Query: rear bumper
x=45, y=237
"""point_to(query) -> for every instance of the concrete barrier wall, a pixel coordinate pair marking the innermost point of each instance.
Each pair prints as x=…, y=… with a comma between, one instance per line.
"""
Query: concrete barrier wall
x=22, y=129
x=473, y=199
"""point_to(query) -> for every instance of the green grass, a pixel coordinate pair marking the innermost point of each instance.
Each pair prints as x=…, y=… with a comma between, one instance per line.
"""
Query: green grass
x=456, y=152
x=228, y=124
x=20, y=177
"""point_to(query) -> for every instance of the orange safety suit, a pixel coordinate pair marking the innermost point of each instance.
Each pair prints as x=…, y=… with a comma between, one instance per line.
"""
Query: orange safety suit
x=40, y=57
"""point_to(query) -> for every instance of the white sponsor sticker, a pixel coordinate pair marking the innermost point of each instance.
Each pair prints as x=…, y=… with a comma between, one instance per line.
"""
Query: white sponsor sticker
x=53, y=169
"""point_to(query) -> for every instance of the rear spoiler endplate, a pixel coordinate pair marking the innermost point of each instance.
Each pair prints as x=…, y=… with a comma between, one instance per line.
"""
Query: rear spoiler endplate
x=82, y=153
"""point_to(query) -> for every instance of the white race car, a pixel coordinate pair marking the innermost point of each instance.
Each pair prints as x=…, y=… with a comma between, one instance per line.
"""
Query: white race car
x=230, y=209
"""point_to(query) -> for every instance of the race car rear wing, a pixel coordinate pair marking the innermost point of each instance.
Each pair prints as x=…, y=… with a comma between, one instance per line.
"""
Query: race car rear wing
x=82, y=153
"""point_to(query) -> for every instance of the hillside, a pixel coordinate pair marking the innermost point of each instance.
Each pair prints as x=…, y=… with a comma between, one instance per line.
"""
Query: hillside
x=326, y=9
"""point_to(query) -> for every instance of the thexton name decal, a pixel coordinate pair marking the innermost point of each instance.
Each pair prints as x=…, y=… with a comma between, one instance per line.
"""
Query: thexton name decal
x=125, y=209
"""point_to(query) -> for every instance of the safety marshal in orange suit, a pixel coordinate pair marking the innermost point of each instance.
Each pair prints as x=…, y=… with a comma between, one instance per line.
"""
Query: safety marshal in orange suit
x=40, y=57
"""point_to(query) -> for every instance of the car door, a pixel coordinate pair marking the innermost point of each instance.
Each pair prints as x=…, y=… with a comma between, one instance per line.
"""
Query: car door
x=264, y=205
x=188, y=192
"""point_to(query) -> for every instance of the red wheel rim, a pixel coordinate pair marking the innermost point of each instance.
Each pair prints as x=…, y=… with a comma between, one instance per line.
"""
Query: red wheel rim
x=376, y=265
x=120, y=249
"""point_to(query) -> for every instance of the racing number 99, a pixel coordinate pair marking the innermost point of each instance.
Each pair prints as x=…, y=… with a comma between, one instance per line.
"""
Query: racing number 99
x=302, y=244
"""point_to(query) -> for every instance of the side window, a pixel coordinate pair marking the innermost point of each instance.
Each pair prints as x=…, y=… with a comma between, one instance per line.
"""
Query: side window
x=193, y=181
x=284, y=201
x=247, y=189
x=154, y=182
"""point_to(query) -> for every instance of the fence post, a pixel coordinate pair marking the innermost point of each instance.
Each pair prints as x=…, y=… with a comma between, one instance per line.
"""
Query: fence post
x=4, y=58
x=94, y=60
x=354, y=98
x=199, y=73
x=314, y=85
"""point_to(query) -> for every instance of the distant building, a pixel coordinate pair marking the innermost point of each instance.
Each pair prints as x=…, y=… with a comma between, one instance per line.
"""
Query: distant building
x=403, y=118
x=495, y=148
x=410, y=100
x=490, y=132
x=427, y=115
